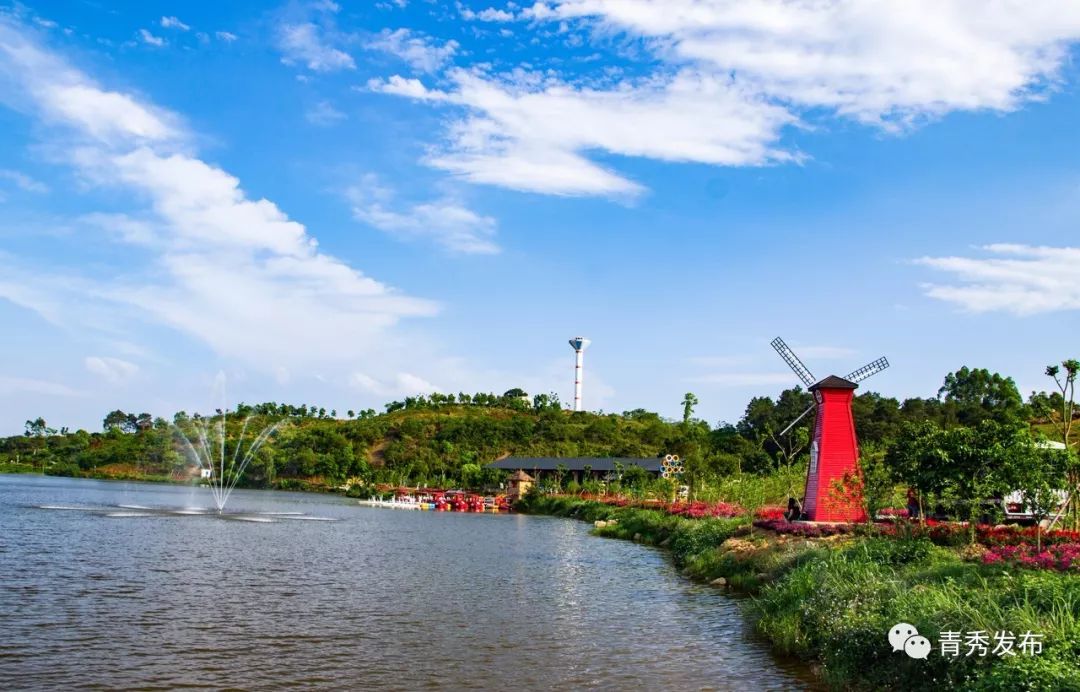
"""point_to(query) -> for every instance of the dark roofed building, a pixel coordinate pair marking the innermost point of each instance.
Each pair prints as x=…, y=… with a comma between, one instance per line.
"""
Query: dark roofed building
x=598, y=466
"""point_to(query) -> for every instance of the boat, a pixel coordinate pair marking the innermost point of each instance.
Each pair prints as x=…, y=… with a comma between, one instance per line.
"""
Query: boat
x=440, y=500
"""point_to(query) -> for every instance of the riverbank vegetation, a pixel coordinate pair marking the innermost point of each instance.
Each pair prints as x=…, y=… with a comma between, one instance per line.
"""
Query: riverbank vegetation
x=832, y=599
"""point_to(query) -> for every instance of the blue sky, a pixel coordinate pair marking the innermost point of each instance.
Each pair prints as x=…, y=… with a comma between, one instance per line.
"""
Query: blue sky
x=344, y=203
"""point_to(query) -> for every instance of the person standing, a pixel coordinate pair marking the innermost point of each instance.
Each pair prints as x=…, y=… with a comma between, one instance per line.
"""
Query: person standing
x=912, y=504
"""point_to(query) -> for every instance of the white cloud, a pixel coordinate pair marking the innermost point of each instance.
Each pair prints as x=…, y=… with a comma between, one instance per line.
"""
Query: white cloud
x=733, y=75
x=124, y=228
x=403, y=86
x=23, y=181
x=1020, y=279
x=323, y=114
x=421, y=52
x=308, y=45
x=532, y=135
x=490, y=14
x=105, y=115
x=225, y=36
x=173, y=23
x=151, y=40
x=67, y=97
x=114, y=370
x=445, y=221
x=878, y=62
x=234, y=272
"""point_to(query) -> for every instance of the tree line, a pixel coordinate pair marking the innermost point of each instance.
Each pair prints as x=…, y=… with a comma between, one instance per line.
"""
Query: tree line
x=447, y=439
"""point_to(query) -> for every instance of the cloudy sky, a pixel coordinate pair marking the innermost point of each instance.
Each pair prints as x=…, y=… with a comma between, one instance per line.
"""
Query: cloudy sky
x=342, y=203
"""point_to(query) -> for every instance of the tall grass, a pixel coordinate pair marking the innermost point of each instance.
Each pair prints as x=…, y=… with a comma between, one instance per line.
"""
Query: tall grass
x=838, y=607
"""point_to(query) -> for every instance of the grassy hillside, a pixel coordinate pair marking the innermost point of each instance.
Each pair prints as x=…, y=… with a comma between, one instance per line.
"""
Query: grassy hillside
x=448, y=439
x=415, y=445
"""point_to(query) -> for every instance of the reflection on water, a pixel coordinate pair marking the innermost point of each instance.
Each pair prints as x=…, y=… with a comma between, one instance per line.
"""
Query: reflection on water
x=132, y=586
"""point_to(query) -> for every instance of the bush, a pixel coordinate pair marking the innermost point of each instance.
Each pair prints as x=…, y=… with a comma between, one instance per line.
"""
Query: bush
x=694, y=538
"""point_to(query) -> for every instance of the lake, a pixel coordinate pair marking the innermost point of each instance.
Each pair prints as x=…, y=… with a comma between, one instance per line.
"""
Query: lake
x=105, y=596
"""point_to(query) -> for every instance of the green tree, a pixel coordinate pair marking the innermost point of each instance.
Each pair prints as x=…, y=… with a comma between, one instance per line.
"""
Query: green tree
x=976, y=394
x=1039, y=481
x=471, y=475
x=1061, y=416
x=635, y=477
x=879, y=480
x=762, y=423
x=688, y=403
x=38, y=428
x=560, y=473
x=1065, y=379
x=143, y=422
x=120, y=421
x=963, y=467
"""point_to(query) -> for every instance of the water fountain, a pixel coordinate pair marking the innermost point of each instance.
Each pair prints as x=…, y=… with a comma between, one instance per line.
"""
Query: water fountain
x=210, y=442
x=205, y=440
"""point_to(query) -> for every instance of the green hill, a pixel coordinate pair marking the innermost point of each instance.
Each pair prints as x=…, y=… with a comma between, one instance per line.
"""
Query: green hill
x=449, y=439
x=422, y=442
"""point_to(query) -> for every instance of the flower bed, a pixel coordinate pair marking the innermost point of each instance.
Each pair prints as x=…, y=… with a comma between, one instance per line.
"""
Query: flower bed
x=1062, y=556
x=1016, y=535
x=700, y=510
x=956, y=533
x=804, y=529
x=770, y=512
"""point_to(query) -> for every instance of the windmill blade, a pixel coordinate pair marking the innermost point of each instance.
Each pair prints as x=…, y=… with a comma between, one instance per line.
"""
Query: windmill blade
x=868, y=370
x=799, y=418
x=793, y=361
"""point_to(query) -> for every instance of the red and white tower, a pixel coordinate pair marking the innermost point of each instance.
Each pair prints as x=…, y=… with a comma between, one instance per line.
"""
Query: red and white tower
x=579, y=344
x=833, y=477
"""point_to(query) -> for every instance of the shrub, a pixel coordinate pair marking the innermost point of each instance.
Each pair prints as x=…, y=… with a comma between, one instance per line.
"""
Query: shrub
x=694, y=538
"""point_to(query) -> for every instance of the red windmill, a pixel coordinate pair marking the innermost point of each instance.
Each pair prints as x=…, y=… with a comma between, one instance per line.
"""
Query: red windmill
x=834, y=450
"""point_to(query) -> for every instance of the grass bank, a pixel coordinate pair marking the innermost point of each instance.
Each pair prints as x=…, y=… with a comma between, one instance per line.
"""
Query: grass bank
x=832, y=600
x=14, y=467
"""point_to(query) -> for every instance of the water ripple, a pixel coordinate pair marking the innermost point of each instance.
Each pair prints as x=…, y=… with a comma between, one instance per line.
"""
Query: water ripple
x=131, y=592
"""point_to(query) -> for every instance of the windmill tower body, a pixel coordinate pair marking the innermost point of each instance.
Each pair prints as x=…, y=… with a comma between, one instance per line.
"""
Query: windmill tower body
x=834, y=455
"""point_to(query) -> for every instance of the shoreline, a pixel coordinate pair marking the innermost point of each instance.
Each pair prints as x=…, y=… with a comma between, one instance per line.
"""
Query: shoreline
x=829, y=602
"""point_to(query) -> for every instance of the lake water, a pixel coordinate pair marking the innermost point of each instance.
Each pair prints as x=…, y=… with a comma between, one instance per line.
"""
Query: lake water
x=379, y=598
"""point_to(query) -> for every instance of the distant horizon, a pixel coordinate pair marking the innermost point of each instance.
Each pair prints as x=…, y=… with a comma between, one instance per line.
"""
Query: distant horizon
x=351, y=203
